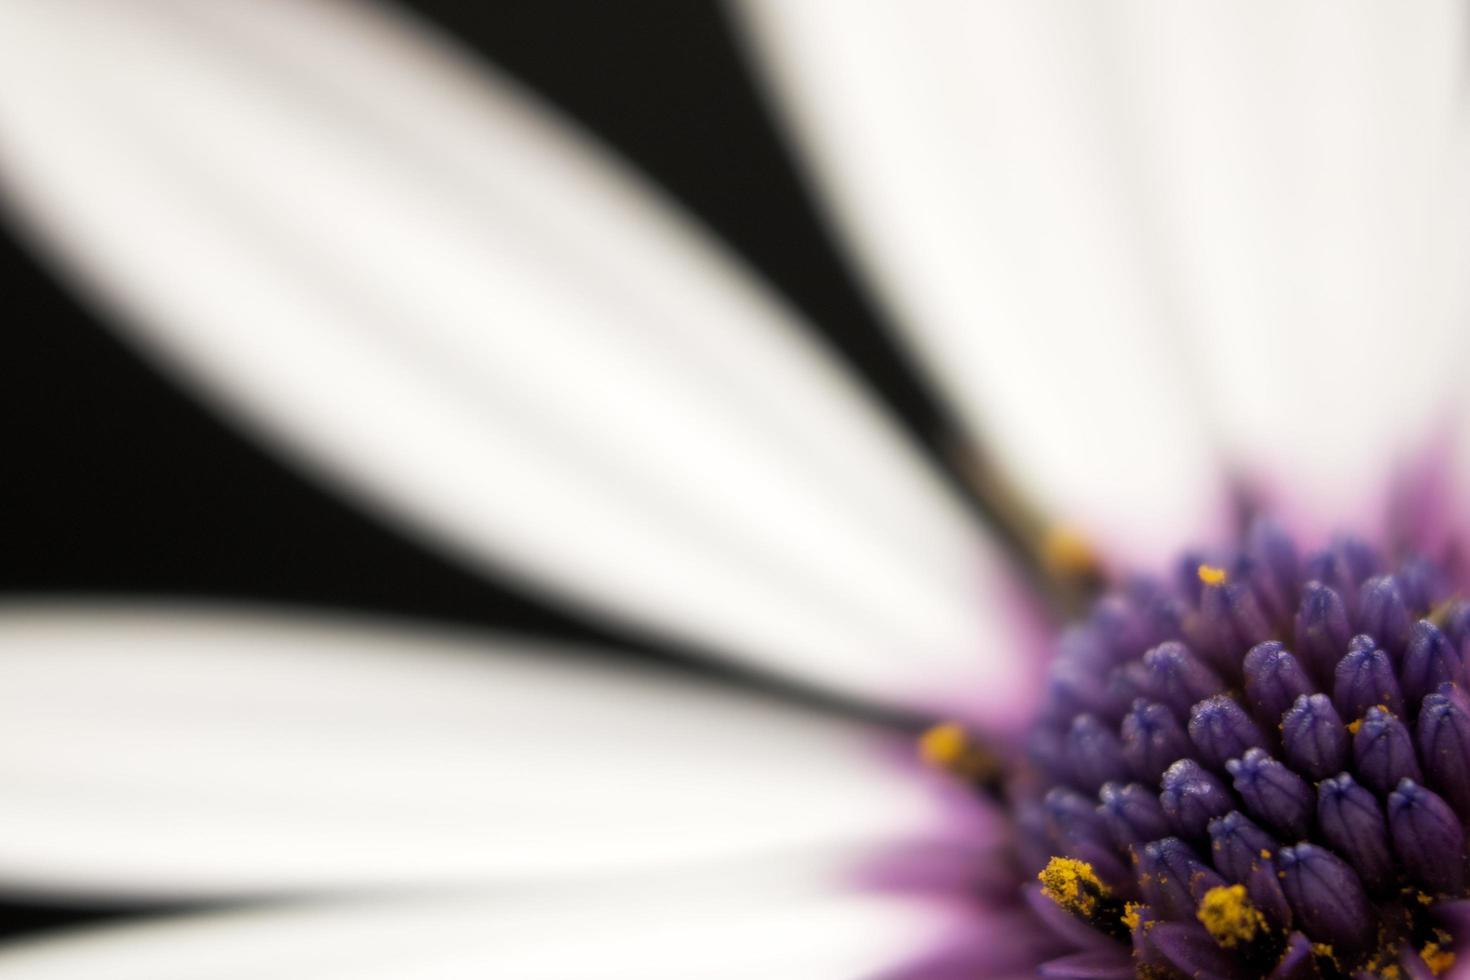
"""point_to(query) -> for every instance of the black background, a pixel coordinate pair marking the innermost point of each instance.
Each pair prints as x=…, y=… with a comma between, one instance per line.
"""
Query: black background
x=114, y=483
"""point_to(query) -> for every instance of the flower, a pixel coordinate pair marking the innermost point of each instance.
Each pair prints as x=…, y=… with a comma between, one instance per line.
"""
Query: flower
x=1211, y=803
x=396, y=270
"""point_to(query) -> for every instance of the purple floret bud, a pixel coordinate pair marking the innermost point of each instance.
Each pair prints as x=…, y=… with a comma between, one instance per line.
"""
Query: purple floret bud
x=1152, y=740
x=1322, y=567
x=1383, y=752
x=1443, y=738
x=1132, y=813
x=1238, y=846
x=1352, y=822
x=1034, y=845
x=1357, y=559
x=1421, y=583
x=1322, y=630
x=1173, y=878
x=1382, y=612
x=1148, y=594
x=1365, y=677
x=1344, y=565
x=1221, y=730
x=1191, y=796
x=1263, y=886
x=1046, y=748
x=1276, y=567
x=1327, y=899
x=1456, y=620
x=1230, y=621
x=1075, y=828
x=1273, y=794
x=1427, y=838
x=1185, y=949
x=1314, y=740
x=1073, y=684
x=1429, y=661
x=1172, y=675
x=1273, y=680
x=1299, y=962
x=1070, y=816
x=1186, y=574
x=1094, y=752
x=1115, y=621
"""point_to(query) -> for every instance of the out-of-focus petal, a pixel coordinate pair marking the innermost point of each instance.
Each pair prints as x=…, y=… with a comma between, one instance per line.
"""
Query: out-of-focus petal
x=676, y=931
x=393, y=265
x=1108, y=225
x=173, y=752
x=979, y=161
x=1308, y=166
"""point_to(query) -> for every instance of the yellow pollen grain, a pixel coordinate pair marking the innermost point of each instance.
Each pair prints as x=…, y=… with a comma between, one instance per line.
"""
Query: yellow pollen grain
x=1229, y=916
x=1440, y=614
x=1437, y=958
x=1211, y=575
x=1073, y=885
x=1066, y=553
x=1131, y=916
x=1353, y=726
x=943, y=745
x=948, y=747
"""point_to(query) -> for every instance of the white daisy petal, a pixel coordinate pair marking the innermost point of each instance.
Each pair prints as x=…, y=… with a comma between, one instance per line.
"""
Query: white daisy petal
x=394, y=266
x=1101, y=205
x=973, y=154
x=677, y=932
x=175, y=752
x=1309, y=169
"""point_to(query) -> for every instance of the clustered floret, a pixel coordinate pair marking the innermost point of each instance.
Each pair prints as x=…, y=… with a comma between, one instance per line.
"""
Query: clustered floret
x=1259, y=769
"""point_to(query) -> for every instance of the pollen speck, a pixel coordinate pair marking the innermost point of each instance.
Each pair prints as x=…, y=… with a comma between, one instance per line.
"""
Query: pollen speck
x=1440, y=613
x=943, y=744
x=949, y=747
x=1067, y=554
x=1229, y=916
x=1437, y=958
x=1073, y=885
x=1211, y=575
x=1131, y=916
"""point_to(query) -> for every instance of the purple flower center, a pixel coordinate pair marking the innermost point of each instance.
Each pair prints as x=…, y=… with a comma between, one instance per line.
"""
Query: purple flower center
x=1261, y=768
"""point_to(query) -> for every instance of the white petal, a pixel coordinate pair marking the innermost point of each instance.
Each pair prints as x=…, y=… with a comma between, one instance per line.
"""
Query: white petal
x=972, y=153
x=1309, y=167
x=677, y=932
x=155, y=752
x=1100, y=204
x=390, y=263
